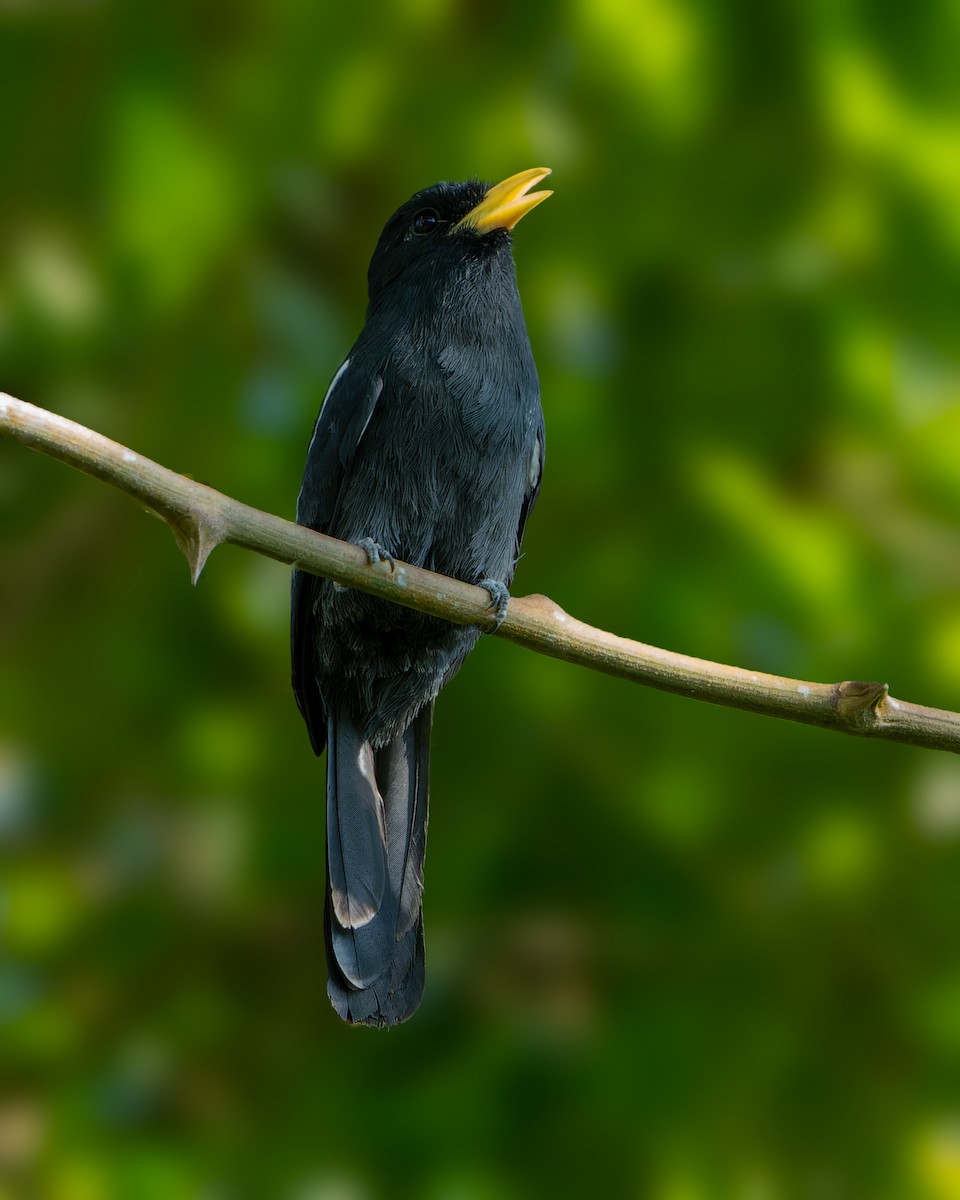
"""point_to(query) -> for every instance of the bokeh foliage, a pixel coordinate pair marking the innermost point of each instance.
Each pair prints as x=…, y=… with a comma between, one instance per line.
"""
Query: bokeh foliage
x=673, y=951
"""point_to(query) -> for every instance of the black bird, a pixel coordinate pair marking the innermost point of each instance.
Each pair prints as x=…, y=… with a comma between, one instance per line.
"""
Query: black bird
x=428, y=448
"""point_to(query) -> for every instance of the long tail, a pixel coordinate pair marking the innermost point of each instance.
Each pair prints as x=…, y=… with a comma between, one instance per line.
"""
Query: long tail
x=376, y=836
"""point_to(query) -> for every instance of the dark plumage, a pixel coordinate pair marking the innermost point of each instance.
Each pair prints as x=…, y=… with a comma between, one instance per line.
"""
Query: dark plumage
x=428, y=447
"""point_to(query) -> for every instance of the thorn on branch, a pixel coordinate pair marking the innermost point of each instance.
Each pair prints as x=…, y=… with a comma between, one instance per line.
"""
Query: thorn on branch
x=196, y=537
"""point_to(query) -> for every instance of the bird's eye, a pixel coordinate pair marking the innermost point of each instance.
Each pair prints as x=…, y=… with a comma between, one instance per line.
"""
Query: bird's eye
x=426, y=221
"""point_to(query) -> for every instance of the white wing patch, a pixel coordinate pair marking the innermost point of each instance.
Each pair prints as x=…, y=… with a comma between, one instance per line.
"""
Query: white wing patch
x=316, y=425
x=535, y=464
x=333, y=383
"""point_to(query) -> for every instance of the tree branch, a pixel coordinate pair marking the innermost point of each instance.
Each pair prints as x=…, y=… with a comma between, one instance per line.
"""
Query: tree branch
x=201, y=518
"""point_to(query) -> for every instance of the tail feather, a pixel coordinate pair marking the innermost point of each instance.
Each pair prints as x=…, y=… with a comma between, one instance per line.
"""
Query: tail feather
x=358, y=848
x=376, y=837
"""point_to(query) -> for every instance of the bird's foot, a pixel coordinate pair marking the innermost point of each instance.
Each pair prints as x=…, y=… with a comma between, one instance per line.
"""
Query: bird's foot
x=375, y=553
x=499, y=599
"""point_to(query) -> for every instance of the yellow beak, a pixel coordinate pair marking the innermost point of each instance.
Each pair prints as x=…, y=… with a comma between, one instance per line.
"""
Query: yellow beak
x=505, y=203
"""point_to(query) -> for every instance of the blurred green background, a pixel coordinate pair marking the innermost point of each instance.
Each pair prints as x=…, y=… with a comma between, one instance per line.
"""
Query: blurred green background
x=674, y=951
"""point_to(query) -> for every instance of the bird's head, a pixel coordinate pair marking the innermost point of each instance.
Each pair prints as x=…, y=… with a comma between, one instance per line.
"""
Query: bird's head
x=449, y=224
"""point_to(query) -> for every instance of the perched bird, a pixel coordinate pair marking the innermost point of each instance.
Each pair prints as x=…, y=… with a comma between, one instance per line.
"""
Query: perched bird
x=428, y=448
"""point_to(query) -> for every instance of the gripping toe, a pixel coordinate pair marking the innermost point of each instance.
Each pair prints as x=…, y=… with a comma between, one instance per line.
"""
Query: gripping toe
x=375, y=552
x=499, y=599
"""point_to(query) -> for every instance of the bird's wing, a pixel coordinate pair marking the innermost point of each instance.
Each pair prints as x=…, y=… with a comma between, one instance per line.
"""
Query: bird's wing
x=534, y=475
x=344, y=416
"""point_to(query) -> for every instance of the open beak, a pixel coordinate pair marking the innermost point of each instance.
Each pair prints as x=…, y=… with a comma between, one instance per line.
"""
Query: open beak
x=505, y=203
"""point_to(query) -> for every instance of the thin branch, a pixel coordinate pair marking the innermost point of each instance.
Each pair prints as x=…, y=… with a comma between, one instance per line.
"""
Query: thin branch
x=201, y=518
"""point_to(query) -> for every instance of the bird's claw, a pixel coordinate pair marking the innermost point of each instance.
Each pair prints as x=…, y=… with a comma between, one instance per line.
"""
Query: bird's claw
x=376, y=553
x=499, y=599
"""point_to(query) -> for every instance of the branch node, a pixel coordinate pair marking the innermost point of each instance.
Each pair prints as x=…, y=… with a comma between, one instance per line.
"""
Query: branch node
x=548, y=609
x=858, y=702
